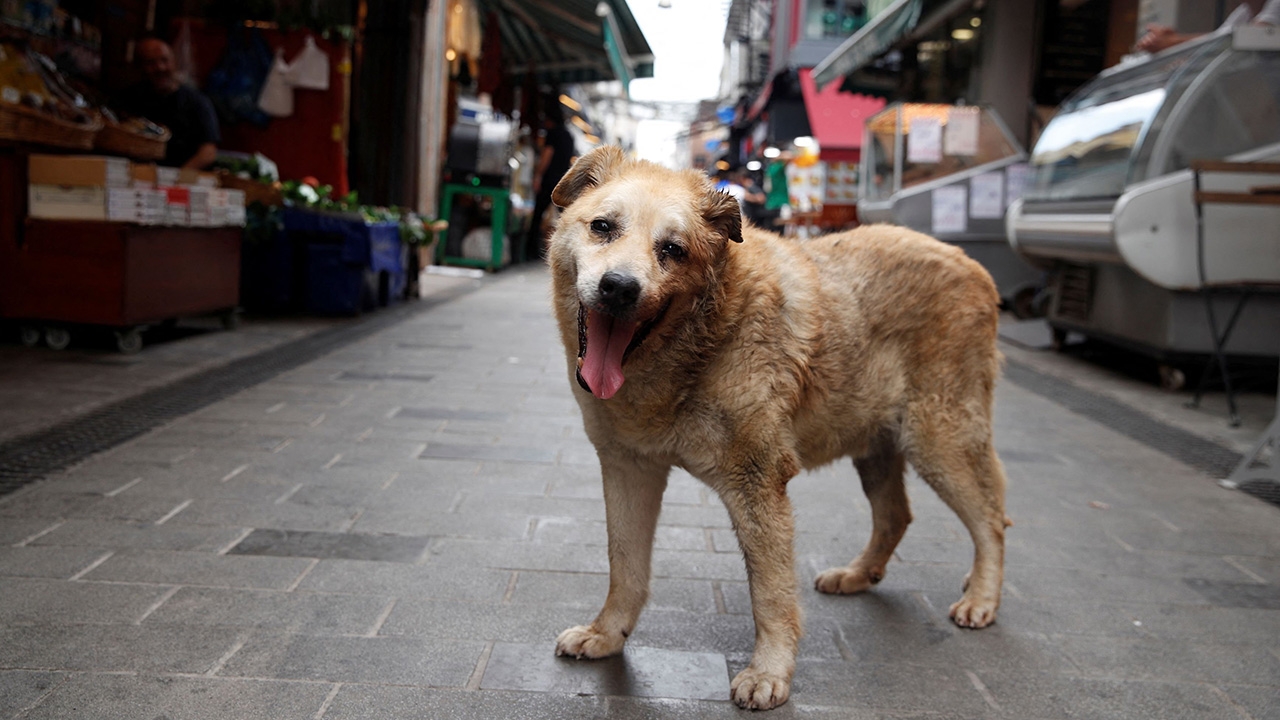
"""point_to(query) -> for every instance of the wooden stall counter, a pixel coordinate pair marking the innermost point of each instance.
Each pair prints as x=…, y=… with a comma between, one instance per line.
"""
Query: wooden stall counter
x=118, y=275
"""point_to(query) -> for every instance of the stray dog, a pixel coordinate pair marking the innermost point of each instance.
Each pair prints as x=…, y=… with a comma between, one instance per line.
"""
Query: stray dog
x=743, y=357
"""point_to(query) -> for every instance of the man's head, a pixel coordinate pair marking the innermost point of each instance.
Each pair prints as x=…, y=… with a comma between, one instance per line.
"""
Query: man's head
x=155, y=59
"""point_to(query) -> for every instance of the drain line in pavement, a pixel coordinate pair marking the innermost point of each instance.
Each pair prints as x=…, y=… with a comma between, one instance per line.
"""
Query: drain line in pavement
x=31, y=457
x=1188, y=448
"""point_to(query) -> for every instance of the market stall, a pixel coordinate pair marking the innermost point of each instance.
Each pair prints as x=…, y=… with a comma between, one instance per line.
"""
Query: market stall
x=1134, y=254
x=950, y=172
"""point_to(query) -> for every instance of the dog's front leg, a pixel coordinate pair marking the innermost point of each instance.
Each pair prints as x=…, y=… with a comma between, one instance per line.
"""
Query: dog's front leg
x=632, y=500
x=762, y=517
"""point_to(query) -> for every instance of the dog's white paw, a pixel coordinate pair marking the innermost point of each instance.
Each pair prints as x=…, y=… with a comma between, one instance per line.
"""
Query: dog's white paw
x=846, y=580
x=973, y=613
x=584, y=641
x=757, y=690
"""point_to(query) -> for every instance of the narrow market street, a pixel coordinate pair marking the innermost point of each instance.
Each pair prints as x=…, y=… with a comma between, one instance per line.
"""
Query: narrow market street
x=399, y=524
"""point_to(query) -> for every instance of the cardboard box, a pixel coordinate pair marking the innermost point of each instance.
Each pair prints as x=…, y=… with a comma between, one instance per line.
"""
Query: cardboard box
x=59, y=202
x=143, y=175
x=78, y=171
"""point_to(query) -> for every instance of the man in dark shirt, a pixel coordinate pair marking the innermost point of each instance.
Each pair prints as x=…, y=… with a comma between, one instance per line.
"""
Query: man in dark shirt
x=161, y=98
x=558, y=151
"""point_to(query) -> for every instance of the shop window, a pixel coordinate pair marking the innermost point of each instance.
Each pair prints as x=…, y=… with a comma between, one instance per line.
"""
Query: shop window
x=834, y=19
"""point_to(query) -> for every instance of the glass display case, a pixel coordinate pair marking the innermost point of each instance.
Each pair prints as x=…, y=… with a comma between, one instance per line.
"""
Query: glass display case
x=1111, y=205
x=950, y=172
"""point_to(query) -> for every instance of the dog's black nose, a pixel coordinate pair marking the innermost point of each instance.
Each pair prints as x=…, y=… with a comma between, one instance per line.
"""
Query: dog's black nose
x=618, y=292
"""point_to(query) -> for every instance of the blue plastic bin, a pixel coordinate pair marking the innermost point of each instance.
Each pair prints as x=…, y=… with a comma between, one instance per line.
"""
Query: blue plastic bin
x=352, y=265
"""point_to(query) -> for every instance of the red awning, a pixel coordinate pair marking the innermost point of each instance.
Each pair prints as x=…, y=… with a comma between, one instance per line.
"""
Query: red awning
x=837, y=118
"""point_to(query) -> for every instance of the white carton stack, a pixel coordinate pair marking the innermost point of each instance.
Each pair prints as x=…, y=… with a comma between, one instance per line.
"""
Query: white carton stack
x=235, y=208
x=200, y=200
x=146, y=206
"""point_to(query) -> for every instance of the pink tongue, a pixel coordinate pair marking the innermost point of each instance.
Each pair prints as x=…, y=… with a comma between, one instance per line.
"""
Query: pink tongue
x=607, y=340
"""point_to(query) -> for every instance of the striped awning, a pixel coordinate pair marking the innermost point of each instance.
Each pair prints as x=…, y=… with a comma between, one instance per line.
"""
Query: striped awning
x=567, y=41
x=877, y=36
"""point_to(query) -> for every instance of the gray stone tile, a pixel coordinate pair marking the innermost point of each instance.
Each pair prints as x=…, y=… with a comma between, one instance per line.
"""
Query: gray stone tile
x=446, y=413
x=114, y=648
x=476, y=451
x=20, y=689
x=893, y=689
x=286, y=516
x=382, y=660
x=435, y=579
x=16, y=530
x=588, y=590
x=367, y=702
x=107, y=534
x=502, y=523
x=1173, y=660
x=1237, y=595
x=46, y=562
x=192, y=568
x=332, y=545
x=1258, y=701
x=638, y=671
x=301, y=613
x=44, y=502
x=108, y=697
x=25, y=601
x=1059, y=696
x=521, y=556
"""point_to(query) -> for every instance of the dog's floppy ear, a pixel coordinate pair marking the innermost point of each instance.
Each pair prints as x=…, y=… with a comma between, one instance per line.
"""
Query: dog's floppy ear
x=723, y=213
x=589, y=171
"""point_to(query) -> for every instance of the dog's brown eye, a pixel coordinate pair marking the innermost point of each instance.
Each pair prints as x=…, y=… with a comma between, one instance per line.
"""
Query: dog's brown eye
x=601, y=227
x=673, y=251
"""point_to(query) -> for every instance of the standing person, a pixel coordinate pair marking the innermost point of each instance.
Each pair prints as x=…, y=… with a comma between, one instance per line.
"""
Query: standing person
x=753, y=199
x=775, y=189
x=554, y=160
x=163, y=99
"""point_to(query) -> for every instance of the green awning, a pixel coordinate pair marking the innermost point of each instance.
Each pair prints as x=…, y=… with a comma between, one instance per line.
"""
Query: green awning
x=874, y=38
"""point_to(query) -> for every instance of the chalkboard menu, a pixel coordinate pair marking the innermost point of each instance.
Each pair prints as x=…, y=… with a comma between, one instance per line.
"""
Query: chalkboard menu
x=1073, y=48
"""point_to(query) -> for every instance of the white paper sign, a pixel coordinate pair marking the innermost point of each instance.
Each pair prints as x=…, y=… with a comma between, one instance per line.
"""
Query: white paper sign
x=986, y=195
x=961, y=137
x=950, y=209
x=924, y=142
x=1019, y=177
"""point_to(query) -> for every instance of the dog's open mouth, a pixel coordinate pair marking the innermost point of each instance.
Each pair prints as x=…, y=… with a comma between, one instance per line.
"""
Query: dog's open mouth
x=604, y=344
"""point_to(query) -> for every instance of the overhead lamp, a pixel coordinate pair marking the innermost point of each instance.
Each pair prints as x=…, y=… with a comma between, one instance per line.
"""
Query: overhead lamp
x=753, y=165
x=962, y=34
x=602, y=9
x=722, y=165
x=664, y=4
x=803, y=141
x=772, y=152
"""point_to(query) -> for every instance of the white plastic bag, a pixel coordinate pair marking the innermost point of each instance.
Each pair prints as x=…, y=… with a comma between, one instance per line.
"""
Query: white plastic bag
x=276, y=99
x=310, y=69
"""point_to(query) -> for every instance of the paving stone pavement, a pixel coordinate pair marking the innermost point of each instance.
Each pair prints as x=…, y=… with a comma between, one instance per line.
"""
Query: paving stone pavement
x=400, y=529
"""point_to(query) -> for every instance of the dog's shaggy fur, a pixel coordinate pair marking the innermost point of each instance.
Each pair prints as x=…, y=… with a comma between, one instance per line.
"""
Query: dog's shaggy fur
x=694, y=341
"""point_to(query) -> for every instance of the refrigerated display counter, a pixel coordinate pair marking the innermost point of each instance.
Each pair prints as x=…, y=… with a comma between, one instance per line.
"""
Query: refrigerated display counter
x=950, y=172
x=1125, y=206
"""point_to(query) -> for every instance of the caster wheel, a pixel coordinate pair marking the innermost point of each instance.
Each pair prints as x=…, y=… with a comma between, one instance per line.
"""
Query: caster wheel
x=1171, y=378
x=57, y=338
x=129, y=341
x=29, y=335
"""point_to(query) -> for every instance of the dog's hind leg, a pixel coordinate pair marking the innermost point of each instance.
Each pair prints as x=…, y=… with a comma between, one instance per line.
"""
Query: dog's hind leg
x=633, y=490
x=881, y=474
x=970, y=480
